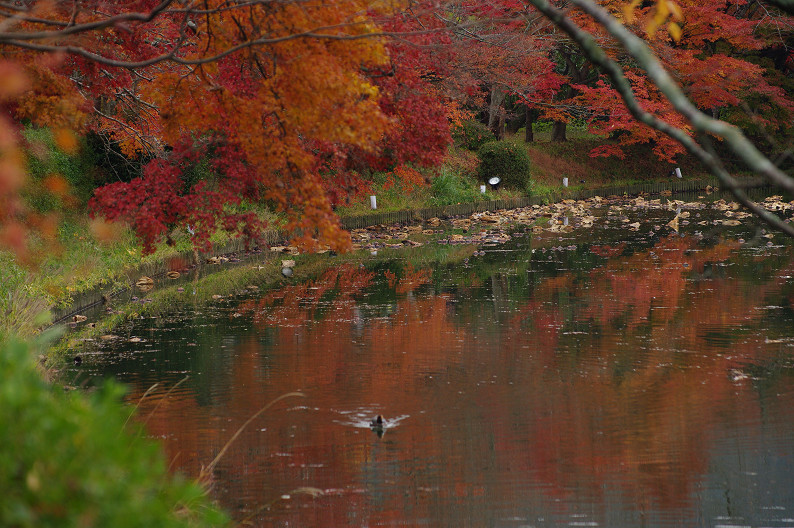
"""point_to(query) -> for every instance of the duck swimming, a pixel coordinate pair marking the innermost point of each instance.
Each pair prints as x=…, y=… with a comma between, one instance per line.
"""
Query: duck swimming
x=376, y=424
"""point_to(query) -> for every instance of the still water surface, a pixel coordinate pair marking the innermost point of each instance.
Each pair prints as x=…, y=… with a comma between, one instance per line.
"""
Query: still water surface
x=597, y=377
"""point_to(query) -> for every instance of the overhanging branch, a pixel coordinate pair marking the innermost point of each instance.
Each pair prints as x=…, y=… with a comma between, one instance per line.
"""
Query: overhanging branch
x=656, y=72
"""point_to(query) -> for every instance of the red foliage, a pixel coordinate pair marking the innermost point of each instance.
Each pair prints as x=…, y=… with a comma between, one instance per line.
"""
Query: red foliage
x=161, y=199
x=715, y=61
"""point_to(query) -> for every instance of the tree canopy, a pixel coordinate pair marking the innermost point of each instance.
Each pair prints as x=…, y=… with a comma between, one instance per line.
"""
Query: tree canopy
x=291, y=102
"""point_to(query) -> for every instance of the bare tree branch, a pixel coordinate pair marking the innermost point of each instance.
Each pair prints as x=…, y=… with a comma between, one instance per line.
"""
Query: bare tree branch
x=15, y=36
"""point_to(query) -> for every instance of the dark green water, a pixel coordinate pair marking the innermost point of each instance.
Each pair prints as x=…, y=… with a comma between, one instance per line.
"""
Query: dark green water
x=597, y=377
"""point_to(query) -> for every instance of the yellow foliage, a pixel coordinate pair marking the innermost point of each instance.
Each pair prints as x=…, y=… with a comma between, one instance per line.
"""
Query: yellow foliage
x=665, y=10
x=675, y=31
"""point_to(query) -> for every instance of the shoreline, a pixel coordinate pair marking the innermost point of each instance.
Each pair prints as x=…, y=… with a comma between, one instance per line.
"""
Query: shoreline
x=100, y=295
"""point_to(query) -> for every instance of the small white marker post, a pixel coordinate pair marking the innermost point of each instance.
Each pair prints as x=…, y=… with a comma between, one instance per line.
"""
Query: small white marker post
x=678, y=172
x=565, y=182
x=373, y=202
x=482, y=189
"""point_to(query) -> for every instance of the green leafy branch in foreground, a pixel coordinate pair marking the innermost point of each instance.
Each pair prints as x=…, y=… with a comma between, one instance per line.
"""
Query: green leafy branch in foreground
x=68, y=459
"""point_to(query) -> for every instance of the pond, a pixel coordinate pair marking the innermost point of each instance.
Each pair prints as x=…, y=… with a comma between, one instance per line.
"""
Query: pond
x=599, y=373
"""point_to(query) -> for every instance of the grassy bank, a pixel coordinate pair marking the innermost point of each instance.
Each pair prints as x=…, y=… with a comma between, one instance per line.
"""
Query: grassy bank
x=81, y=264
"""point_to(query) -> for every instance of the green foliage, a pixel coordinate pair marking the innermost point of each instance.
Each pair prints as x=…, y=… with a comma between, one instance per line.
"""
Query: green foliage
x=450, y=188
x=507, y=160
x=472, y=135
x=46, y=159
x=69, y=459
x=21, y=313
x=542, y=126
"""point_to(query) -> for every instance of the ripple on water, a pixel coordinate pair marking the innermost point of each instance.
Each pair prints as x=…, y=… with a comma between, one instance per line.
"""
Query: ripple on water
x=362, y=417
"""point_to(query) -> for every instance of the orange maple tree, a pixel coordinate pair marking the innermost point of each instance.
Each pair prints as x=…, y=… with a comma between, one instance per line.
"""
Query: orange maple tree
x=291, y=102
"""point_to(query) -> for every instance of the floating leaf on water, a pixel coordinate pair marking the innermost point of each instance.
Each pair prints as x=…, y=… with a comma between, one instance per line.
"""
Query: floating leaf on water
x=135, y=340
x=287, y=263
x=79, y=318
x=145, y=283
x=314, y=492
x=173, y=274
x=108, y=337
x=673, y=224
x=635, y=225
x=216, y=296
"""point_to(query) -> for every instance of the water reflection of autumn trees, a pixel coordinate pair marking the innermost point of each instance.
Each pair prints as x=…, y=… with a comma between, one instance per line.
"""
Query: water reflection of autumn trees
x=611, y=384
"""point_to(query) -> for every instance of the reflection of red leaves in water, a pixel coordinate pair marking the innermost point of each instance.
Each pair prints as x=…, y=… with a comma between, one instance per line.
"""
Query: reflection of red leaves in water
x=632, y=408
x=391, y=277
x=411, y=279
x=296, y=304
x=608, y=251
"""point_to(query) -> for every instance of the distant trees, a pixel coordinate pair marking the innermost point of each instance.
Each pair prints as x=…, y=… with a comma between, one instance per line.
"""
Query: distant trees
x=232, y=102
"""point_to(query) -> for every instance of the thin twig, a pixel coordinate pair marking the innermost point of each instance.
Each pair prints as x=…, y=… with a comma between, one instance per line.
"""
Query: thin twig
x=208, y=469
x=180, y=382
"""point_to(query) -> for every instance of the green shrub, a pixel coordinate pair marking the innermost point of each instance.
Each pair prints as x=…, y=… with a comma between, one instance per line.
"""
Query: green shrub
x=450, y=188
x=471, y=135
x=69, y=459
x=509, y=161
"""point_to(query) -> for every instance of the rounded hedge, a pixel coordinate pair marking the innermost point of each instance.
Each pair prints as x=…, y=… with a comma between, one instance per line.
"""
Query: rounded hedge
x=471, y=135
x=508, y=161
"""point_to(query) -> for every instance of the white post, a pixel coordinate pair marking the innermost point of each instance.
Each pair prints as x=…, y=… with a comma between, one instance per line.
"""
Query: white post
x=678, y=172
x=565, y=182
x=373, y=202
x=482, y=189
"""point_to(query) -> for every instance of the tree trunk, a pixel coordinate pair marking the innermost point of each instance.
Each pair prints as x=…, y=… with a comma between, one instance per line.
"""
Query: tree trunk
x=529, y=135
x=558, y=130
x=495, y=113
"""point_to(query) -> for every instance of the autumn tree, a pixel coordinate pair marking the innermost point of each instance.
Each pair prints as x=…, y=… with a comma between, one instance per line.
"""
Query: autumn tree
x=688, y=126
x=261, y=88
x=285, y=101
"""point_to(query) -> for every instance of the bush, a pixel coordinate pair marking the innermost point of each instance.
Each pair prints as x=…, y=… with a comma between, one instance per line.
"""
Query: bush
x=508, y=161
x=69, y=459
x=471, y=135
x=451, y=188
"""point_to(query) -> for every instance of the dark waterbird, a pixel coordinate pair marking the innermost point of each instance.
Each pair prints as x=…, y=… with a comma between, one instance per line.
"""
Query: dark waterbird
x=376, y=424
